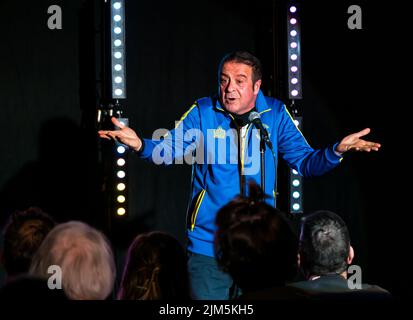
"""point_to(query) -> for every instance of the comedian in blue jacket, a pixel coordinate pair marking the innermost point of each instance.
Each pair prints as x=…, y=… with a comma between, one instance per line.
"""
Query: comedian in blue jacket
x=215, y=136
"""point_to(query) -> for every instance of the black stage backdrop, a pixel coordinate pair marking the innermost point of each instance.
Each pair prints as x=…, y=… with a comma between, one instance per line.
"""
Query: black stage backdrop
x=351, y=81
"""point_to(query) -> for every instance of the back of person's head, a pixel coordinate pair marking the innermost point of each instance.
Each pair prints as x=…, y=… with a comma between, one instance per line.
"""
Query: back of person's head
x=84, y=256
x=254, y=243
x=24, y=232
x=324, y=244
x=155, y=269
x=243, y=57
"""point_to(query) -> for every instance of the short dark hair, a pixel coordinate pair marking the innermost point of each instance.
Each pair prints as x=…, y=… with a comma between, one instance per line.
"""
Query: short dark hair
x=254, y=243
x=23, y=233
x=155, y=269
x=244, y=57
x=324, y=243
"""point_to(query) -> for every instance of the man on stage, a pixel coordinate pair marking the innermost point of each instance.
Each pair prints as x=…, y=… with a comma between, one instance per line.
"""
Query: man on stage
x=218, y=134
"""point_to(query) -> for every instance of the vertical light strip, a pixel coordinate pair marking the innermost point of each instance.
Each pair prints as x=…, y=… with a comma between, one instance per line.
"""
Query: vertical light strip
x=118, y=49
x=296, y=183
x=120, y=176
x=294, y=93
x=294, y=52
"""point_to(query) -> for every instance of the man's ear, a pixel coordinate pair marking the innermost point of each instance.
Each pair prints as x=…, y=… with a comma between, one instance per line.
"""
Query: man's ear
x=257, y=86
x=350, y=255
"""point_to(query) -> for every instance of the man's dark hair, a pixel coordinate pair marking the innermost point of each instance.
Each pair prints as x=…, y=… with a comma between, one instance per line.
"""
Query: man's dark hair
x=324, y=244
x=244, y=57
x=254, y=243
x=23, y=234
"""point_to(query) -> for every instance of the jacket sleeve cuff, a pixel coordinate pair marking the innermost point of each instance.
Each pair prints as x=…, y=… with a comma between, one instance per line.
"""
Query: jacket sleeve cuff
x=332, y=155
x=143, y=151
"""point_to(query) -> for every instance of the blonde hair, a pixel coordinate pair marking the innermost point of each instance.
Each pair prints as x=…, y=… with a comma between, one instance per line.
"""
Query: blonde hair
x=84, y=256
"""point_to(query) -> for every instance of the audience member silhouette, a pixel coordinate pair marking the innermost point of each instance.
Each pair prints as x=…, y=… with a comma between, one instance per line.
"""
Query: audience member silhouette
x=85, y=258
x=324, y=256
x=28, y=288
x=23, y=233
x=155, y=269
x=256, y=245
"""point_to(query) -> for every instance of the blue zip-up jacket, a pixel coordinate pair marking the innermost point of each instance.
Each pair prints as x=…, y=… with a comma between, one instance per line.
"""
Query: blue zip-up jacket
x=207, y=134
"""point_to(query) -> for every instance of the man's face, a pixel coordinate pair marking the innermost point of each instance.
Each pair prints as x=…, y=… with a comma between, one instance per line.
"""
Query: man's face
x=238, y=93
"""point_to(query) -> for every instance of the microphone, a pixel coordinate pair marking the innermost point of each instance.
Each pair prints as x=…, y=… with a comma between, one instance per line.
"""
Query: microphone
x=255, y=118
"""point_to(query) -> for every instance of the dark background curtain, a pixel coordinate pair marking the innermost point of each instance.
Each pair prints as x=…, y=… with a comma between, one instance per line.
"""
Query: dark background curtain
x=49, y=149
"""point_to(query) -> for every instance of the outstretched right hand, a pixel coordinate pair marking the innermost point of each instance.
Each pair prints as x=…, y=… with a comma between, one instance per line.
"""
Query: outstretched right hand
x=124, y=135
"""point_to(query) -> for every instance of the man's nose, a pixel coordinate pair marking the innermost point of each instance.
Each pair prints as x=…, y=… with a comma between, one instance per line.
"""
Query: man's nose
x=230, y=87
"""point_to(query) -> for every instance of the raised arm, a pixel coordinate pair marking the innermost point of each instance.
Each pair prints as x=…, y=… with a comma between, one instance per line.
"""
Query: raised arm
x=353, y=142
x=124, y=135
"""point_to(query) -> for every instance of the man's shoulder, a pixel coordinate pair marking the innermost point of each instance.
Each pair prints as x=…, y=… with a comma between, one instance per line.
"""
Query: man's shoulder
x=324, y=283
x=374, y=288
x=275, y=104
x=336, y=289
x=206, y=102
x=209, y=107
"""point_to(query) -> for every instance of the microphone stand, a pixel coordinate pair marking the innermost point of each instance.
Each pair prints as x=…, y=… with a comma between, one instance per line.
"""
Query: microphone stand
x=263, y=145
x=262, y=156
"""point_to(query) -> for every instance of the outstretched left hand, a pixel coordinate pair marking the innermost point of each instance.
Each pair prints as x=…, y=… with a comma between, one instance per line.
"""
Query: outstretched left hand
x=354, y=143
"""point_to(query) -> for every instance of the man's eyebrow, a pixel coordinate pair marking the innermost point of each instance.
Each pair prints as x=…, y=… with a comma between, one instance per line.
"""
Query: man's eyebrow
x=238, y=75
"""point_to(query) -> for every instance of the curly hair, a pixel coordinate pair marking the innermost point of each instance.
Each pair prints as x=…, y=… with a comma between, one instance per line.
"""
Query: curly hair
x=23, y=234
